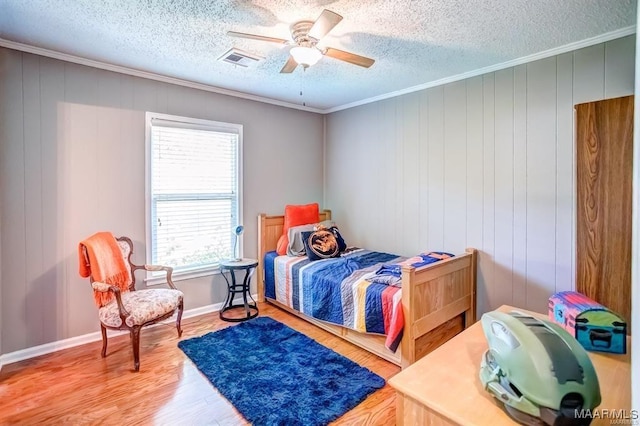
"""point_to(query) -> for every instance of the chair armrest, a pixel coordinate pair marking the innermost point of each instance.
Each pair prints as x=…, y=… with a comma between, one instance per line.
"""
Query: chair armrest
x=105, y=288
x=102, y=287
x=167, y=269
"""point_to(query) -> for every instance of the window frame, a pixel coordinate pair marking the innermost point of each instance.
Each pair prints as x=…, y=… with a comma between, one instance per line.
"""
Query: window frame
x=189, y=123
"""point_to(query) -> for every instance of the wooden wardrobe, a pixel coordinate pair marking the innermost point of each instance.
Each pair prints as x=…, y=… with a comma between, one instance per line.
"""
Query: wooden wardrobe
x=604, y=190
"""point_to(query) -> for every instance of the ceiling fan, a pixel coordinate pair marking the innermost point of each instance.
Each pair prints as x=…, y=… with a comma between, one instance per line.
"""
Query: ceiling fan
x=305, y=38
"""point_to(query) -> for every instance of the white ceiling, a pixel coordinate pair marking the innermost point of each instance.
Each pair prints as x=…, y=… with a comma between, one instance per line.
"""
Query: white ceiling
x=413, y=42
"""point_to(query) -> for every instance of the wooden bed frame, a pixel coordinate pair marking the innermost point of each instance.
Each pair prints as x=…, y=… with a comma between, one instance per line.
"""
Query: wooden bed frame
x=438, y=300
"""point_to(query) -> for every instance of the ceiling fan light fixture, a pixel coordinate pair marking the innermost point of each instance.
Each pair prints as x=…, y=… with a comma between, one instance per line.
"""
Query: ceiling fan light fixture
x=306, y=56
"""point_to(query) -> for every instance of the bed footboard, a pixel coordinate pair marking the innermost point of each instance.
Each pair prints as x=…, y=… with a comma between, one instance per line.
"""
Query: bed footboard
x=438, y=301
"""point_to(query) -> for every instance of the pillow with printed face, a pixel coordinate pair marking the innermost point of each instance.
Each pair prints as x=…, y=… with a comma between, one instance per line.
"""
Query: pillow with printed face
x=295, y=215
x=296, y=245
x=323, y=243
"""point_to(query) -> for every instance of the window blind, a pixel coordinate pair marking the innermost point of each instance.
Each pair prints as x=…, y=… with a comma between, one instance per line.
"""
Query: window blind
x=194, y=189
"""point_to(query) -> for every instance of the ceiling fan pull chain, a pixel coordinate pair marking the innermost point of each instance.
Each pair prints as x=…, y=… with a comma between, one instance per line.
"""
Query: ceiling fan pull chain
x=301, y=87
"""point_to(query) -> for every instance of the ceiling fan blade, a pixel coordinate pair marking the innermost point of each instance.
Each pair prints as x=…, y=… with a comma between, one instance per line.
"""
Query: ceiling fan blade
x=289, y=66
x=324, y=24
x=349, y=57
x=257, y=37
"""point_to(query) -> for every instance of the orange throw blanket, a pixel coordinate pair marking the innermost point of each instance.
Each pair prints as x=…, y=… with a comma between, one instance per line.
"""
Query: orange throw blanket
x=106, y=264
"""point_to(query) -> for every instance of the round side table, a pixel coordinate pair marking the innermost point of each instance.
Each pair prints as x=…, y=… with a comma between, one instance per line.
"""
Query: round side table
x=233, y=287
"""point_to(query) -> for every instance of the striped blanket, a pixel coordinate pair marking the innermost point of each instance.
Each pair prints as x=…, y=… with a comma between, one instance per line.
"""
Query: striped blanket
x=340, y=291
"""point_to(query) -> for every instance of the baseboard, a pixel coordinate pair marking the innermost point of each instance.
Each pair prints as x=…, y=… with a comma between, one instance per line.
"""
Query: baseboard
x=58, y=345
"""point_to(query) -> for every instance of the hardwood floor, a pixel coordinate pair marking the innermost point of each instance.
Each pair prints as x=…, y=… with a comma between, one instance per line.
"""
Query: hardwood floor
x=77, y=386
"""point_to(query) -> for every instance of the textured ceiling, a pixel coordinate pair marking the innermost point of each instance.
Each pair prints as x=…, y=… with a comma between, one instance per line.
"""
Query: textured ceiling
x=413, y=42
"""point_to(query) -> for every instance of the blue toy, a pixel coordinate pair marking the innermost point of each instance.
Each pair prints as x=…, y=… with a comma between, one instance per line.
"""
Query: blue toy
x=592, y=324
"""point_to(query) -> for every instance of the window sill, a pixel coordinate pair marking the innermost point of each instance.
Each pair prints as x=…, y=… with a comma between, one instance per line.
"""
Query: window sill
x=182, y=275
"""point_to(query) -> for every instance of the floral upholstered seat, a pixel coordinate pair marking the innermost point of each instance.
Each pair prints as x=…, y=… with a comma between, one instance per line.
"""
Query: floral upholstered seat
x=121, y=306
x=143, y=306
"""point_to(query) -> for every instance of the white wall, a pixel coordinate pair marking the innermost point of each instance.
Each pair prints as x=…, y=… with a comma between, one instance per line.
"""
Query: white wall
x=72, y=146
x=486, y=162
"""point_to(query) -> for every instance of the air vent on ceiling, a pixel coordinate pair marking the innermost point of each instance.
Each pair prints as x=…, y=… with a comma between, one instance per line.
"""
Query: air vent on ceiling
x=236, y=56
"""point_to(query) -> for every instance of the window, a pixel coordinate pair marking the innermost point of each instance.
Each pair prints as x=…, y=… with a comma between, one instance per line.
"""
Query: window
x=193, y=193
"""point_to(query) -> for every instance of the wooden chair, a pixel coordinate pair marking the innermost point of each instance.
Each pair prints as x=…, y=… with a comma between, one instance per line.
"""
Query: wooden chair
x=130, y=309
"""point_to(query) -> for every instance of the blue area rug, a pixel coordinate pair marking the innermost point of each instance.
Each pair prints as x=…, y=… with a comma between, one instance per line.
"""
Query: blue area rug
x=275, y=375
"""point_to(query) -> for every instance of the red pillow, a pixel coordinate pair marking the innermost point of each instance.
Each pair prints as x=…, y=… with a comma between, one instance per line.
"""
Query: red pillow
x=295, y=215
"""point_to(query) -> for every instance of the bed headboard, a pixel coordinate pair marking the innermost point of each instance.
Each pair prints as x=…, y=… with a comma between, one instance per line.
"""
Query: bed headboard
x=269, y=232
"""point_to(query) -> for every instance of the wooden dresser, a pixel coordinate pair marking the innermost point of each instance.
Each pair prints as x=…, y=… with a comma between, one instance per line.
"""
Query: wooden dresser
x=443, y=388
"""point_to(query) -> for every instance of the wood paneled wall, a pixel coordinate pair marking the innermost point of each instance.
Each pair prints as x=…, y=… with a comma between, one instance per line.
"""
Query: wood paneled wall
x=635, y=243
x=488, y=162
x=72, y=162
x=604, y=146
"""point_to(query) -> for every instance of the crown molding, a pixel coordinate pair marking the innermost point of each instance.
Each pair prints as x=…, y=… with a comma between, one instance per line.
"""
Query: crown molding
x=623, y=32
x=148, y=75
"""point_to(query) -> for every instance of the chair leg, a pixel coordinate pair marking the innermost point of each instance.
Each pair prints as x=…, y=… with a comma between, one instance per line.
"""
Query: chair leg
x=104, y=340
x=179, y=319
x=135, y=341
